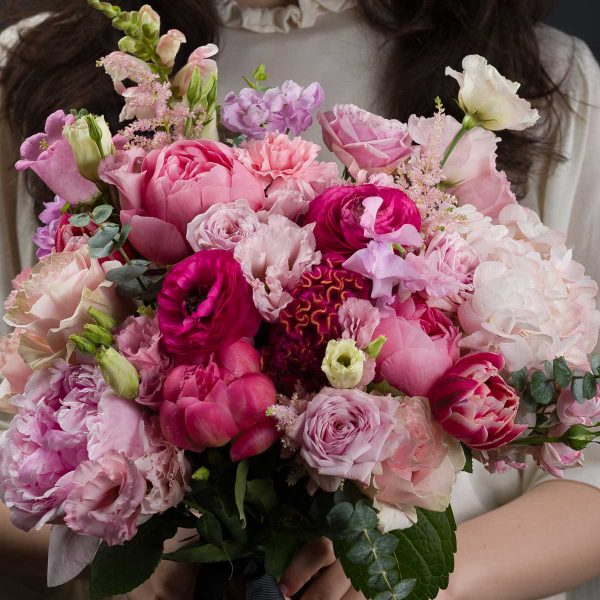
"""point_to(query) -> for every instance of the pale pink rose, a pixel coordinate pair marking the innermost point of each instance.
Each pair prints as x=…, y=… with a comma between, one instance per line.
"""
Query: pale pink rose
x=273, y=259
x=284, y=163
x=503, y=459
x=364, y=141
x=343, y=435
x=13, y=369
x=423, y=461
x=358, y=320
x=570, y=412
x=222, y=226
x=556, y=457
x=168, y=46
x=53, y=302
x=106, y=498
x=200, y=58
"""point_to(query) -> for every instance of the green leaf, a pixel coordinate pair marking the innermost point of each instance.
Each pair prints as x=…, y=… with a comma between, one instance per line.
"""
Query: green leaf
x=561, y=372
x=240, y=489
x=363, y=517
x=260, y=73
x=123, y=235
x=194, y=92
x=468, y=468
x=590, y=387
x=126, y=273
x=542, y=390
x=210, y=530
x=104, y=236
x=80, y=220
x=261, y=492
x=102, y=213
x=383, y=387
x=209, y=553
x=339, y=516
x=120, y=569
x=595, y=360
x=280, y=547
x=577, y=389
x=519, y=379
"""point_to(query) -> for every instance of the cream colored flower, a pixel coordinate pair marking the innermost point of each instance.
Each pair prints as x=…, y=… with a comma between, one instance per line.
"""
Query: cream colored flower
x=343, y=364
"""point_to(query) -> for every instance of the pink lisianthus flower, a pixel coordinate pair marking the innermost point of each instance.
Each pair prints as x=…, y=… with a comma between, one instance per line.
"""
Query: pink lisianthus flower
x=364, y=141
x=283, y=163
x=474, y=404
x=338, y=214
x=205, y=304
x=53, y=301
x=50, y=157
x=422, y=465
x=570, y=412
x=139, y=341
x=273, y=259
x=359, y=320
x=422, y=344
x=342, y=435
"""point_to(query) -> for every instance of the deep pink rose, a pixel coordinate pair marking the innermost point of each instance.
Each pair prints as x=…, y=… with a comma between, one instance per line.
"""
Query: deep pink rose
x=202, y=410
x=337, y=213
x=342, y=435
x=50, y=157
x=474, y=404
x=364, y=141
x=174, y=185
x=205, y=304
x=422, y=344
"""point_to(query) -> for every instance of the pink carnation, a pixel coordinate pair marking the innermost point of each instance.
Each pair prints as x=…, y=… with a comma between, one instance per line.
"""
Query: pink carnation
x=359, y=320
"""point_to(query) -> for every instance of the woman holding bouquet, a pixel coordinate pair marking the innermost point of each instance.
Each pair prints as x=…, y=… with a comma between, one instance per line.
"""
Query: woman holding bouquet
x=518, y=539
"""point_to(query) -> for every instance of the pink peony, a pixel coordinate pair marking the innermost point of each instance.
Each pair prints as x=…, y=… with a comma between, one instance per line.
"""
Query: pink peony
x=50, y=157
x=53, y=301
x=174, y=185
x=139, y=341
x=205, y=303
x=423, y=462
x=222, y=226
x=106, y=498
x=13, y=370
x=343, y=435
x=338, y=212
x=362, y=140
x=474, y=404
x=283, y=163
x=359, y=320
x=570, y=412
x=422, y=344
x=273, y=259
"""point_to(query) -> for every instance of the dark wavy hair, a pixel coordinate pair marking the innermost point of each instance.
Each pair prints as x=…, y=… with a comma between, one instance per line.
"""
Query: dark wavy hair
x=52, y=66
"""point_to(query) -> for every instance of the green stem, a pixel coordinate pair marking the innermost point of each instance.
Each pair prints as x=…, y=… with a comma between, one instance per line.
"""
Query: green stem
x=468, y=123
x=534, y=441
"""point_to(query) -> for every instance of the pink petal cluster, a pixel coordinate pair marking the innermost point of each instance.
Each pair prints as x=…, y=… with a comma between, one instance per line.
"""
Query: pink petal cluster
x=422, y=344
x=205, y=304
x=208, y=407
x=273, y=259
x=571, y=412
x=13, y=370
x=200, y=58
x=343, y=434
x=556, y=457
x=359, y=320
x=50, y=157
x=474, y=404
x=364, y=141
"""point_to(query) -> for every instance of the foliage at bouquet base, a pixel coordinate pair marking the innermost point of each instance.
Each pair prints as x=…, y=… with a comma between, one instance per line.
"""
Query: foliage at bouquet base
x=228, y=335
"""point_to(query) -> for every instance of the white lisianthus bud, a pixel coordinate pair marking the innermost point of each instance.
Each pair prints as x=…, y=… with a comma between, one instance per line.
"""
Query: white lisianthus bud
x=118, y=373
x=343, y=364
x=491, y=99
x=91, y=141
x=168, y=46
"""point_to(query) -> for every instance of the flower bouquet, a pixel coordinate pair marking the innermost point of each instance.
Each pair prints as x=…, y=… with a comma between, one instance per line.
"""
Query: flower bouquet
x=238, y=339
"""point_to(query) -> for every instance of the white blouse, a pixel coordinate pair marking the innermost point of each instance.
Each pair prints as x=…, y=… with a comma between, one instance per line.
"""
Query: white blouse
x=324, y=40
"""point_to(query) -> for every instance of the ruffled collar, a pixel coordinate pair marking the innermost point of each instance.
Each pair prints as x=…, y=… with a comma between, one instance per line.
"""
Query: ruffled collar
x=280, y=19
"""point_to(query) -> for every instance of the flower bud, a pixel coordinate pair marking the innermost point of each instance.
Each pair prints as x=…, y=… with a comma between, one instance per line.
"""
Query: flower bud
x=118, y=373
x=150, y=17
x=578, y=437
x=343, y=363
x=201, y=474
x=168, y=46
x=83, y=345
x=374, y=348
x=102, y=319
x=97, y=335
x=91, y=141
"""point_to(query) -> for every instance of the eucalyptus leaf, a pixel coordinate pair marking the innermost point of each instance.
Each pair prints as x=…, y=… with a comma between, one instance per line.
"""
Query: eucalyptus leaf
x=338, y=518
x=562, y=372
x=542, y=390
x=595, y=360
x=577, y=390
x=519, y=379
x=80, y=220
x=104, y=236
x=363, y=518
x=102, y=213
x=590, y=387
x=126, y=273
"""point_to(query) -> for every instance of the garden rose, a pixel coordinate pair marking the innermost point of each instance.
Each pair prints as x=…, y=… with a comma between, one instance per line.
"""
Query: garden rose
x=570, y=412
x=421, y=345
x=338, y=211
x=474, y=404
x=364, y=141
x=343, y=434
x=205, y=303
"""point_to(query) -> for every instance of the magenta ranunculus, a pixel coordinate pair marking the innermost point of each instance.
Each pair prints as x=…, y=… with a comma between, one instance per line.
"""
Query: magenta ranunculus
x=50, y=157
x=364, y=141
x=342, y=435
x=337, y=213
x=422, y=344
x=173, y=185
x=205, y=304
x=474, y=404
x=205, y=408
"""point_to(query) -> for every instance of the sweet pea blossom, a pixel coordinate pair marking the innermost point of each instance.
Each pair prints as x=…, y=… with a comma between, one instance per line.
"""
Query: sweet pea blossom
x=50, y=217
x=490, y=98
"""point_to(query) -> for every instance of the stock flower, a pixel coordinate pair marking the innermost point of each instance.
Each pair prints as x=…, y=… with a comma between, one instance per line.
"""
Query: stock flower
x=490, y=98
x=344, y=364
x=245, y=113
x=338, y=214
x=364, y=141
x=474, y=404
x=44, y=236
x=50, y=157
x=205, y=303
x=342, y=435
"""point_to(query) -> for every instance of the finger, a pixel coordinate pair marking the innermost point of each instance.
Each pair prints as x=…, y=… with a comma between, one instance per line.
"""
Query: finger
x=309, y=561
x=331, y=584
